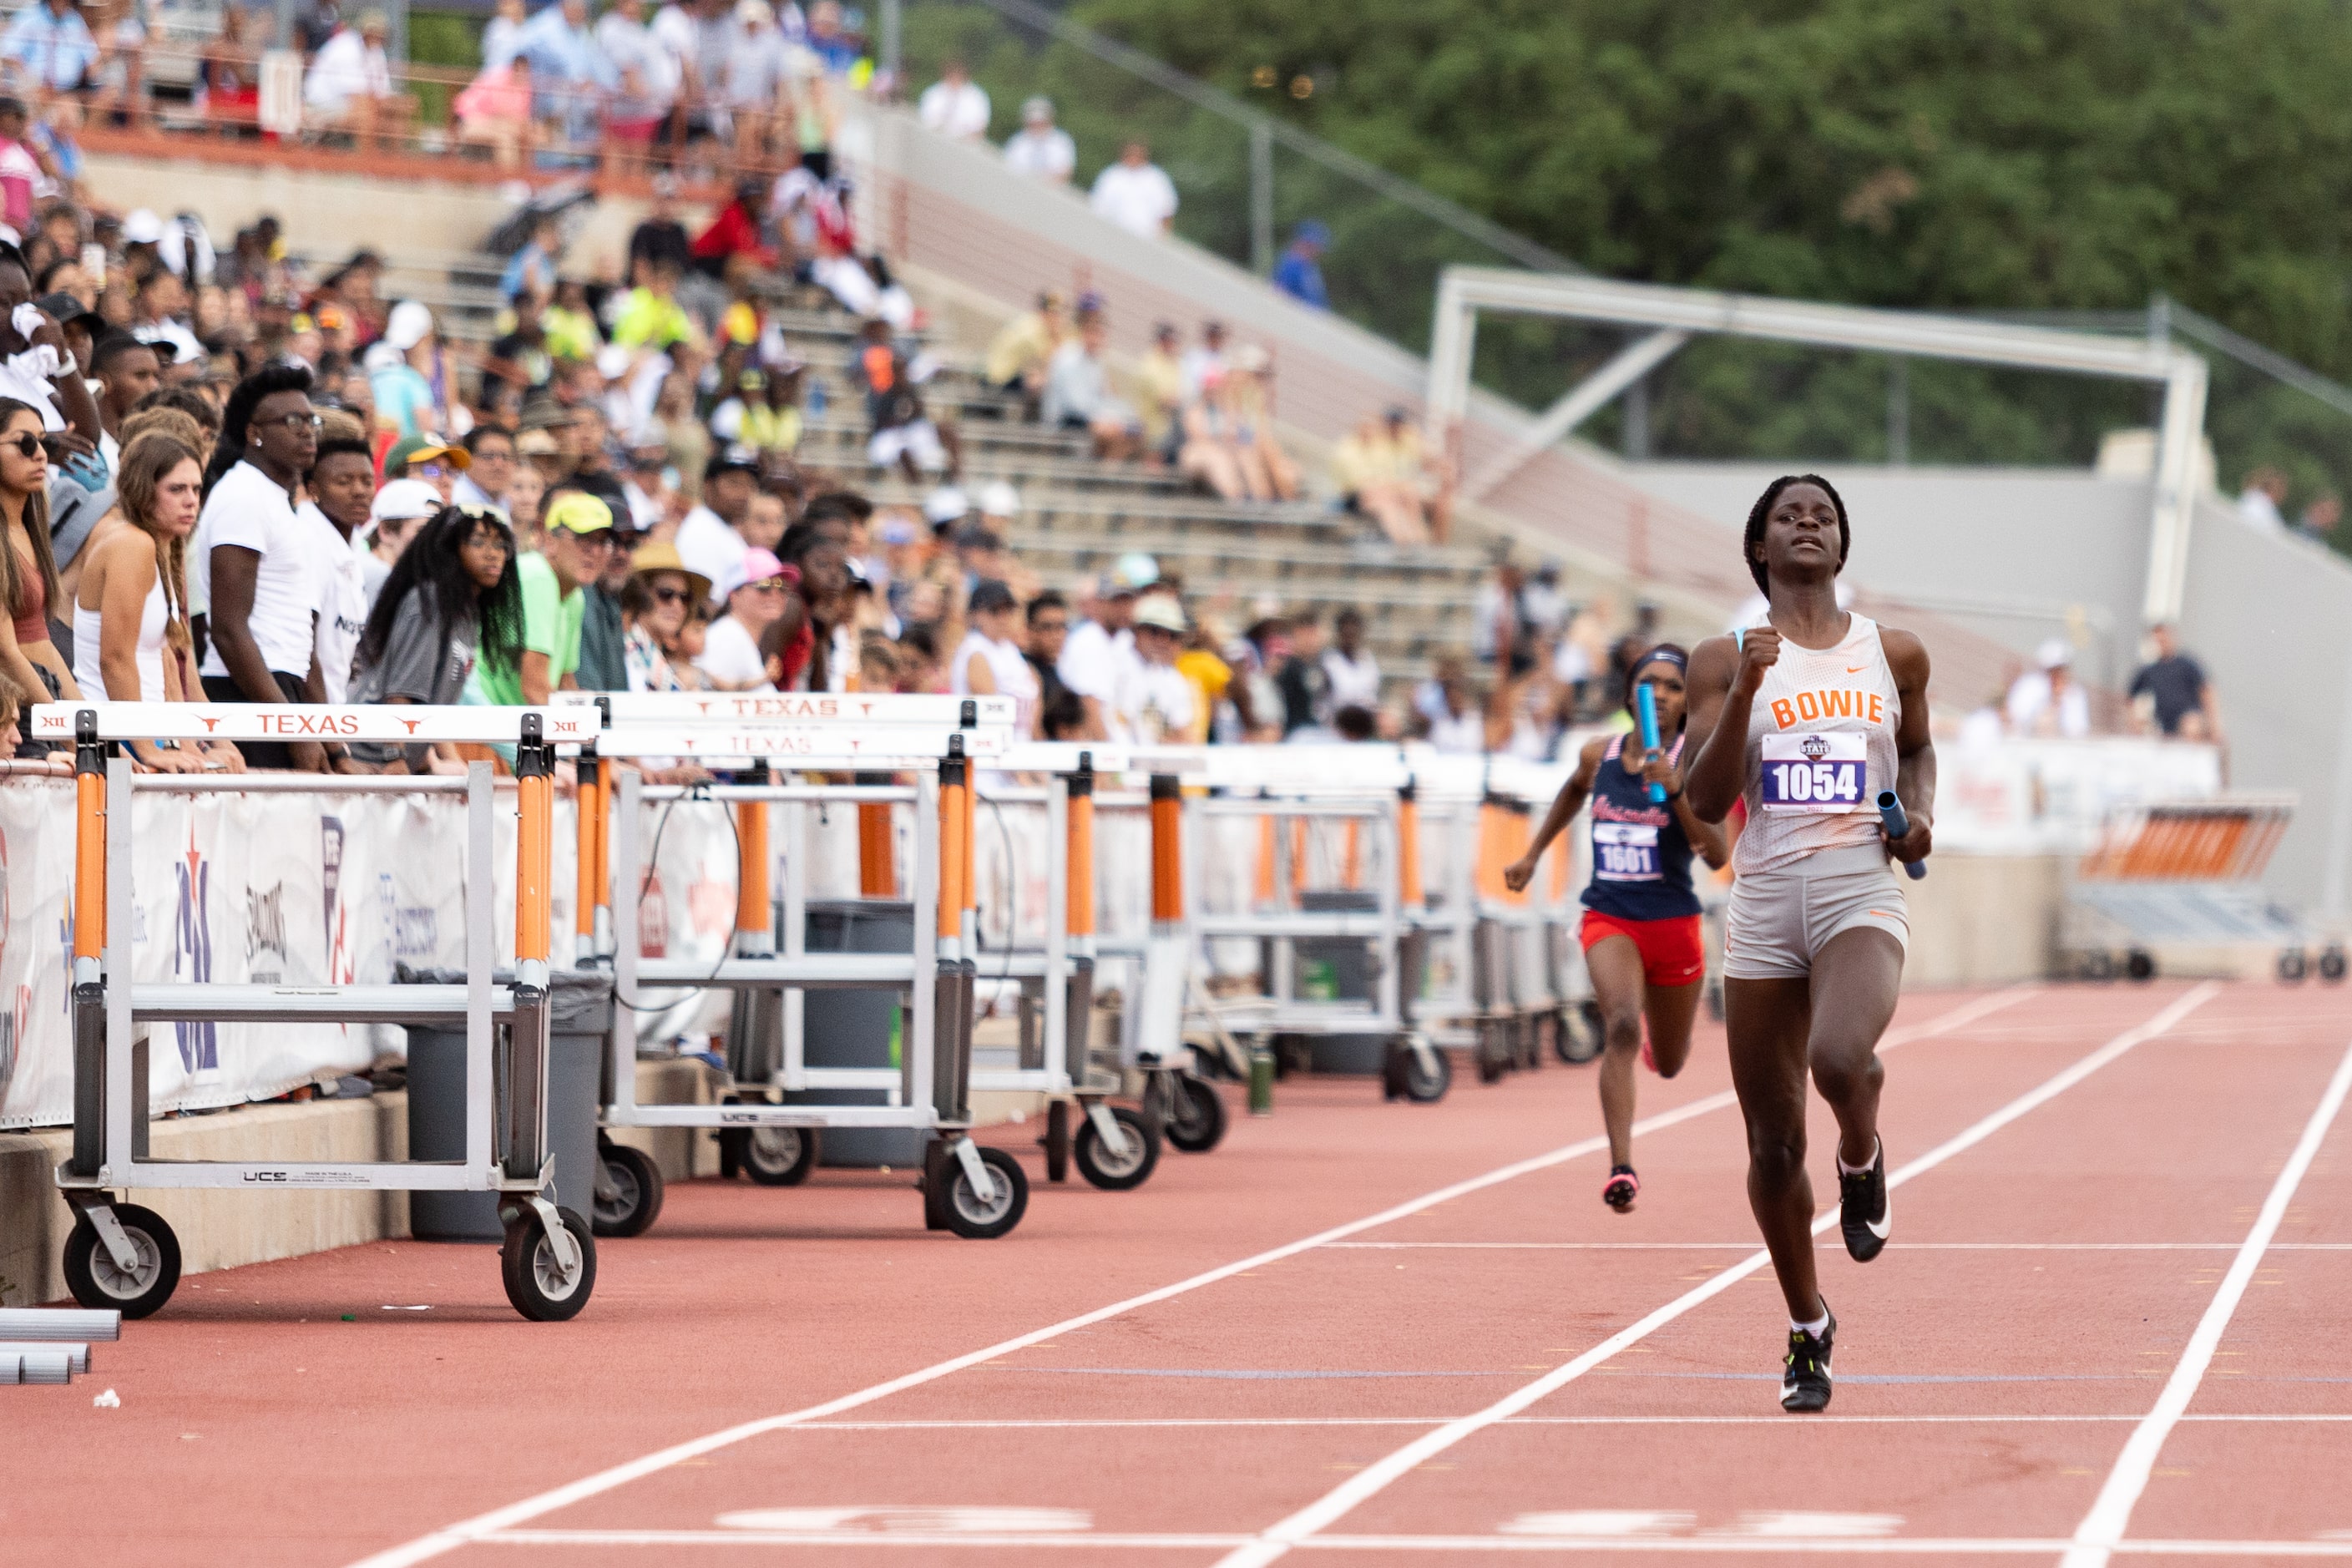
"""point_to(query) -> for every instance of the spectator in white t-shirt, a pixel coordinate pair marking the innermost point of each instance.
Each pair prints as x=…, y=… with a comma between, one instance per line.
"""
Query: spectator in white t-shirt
x=258, y=561
x=2258, y=502
x=1155, y=701
x=754, y=591
x=954, y=105
x=710, y=539
x=342, y=493
x=1134, y=192
x=1355, y=673
x=2048, y=700
x=1040, y=149
x=348, y=86
x=1101, y=647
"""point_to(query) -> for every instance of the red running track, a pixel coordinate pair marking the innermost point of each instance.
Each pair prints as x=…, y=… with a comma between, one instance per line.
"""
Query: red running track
x=2112, y=1326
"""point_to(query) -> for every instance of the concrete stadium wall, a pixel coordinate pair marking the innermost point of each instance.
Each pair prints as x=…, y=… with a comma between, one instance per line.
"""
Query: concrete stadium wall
x=329, y=213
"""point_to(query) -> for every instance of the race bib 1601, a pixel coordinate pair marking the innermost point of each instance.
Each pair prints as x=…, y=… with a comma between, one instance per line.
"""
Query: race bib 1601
x=1815, y=773
x=1624, y=852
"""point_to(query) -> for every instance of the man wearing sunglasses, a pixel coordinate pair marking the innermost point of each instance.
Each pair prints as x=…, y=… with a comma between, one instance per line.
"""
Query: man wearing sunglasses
x=578, y=540
x=262, y=565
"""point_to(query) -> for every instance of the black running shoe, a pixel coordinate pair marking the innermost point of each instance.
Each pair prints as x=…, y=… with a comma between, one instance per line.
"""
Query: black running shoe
x=1805, y=1370
x=1864, y=1212
x=1623, y=1187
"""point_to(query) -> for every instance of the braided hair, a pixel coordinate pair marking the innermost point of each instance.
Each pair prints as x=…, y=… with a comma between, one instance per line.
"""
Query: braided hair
x=1751, y=547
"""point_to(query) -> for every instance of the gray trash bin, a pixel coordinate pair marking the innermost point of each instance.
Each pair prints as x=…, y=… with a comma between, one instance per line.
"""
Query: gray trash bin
x=858, y=1028
x=1337, y=969
x=579, y=1017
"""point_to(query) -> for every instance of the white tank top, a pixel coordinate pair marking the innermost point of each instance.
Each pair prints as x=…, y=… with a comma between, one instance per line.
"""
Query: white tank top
x=1821, y=745
x=86, y=661
x=1013, y=677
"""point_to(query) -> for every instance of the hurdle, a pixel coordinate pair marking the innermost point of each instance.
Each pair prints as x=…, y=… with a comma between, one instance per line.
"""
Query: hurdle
x=967, y=1190
x=1115, y=1148
x=1349, y=801
x=124, y=1256
x=1461, y=986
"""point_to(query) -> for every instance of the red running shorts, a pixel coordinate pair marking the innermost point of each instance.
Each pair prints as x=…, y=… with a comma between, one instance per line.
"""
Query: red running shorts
x=1673, y=951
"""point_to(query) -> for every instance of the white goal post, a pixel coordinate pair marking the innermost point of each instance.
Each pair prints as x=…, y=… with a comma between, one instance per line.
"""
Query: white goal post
x=1675, y=315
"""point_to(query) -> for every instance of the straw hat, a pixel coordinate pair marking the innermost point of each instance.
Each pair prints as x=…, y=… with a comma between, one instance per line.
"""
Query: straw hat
x=664, y=557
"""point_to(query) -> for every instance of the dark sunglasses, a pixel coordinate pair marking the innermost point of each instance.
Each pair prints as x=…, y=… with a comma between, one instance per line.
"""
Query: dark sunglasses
x=28, y=443
x=670, y=595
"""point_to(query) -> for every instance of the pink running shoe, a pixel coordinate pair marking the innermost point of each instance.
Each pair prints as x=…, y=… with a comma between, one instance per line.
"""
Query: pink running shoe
x=1621, y=1188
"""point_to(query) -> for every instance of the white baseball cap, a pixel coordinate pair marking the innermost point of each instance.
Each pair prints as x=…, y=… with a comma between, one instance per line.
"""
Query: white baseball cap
x=2054, y=653
x=998, y=499
x=405, y=498
x=141, y=227
x=410, y=323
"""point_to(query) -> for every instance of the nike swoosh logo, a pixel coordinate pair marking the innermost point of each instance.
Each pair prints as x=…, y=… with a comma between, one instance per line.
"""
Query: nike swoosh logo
x=1855, y=668
x=1885, y=1218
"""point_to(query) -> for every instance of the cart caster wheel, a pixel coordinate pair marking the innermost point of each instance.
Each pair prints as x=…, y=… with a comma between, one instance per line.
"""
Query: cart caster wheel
x=774, y=1156
x=1057, y=1141
x=1494, y=1054
x=2099, y=967
x=1131, y=1166
x=1528, y=1036
x=635, y=1199
x=1576, y=1046
x=2331, y=965
x=1196, y=1118
x=1714, y=998
x=2139, y=964
x=964, y=1213
x=98, y=1283
x=534, y=1281
x=1408, y=1080
x=2291, y=967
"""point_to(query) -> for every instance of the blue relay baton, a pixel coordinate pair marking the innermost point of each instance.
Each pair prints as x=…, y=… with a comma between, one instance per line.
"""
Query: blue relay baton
x=1645, y=702
x=1891, y=814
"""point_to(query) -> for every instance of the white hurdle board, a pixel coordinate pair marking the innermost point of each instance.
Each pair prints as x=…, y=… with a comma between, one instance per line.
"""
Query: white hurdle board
x=389, y=722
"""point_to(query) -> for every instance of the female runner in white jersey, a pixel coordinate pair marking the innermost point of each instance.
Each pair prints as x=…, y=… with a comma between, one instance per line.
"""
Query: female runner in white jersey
x=1807, y=715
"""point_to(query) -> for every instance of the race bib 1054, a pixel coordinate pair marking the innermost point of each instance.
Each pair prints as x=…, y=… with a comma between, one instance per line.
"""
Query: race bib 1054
x=1815, y=773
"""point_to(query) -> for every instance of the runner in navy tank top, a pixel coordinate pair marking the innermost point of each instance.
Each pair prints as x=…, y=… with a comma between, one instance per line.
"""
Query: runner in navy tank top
x=1640, y=932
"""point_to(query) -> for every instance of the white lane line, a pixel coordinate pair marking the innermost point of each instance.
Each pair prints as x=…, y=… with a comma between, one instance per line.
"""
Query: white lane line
x=1828, y=1246
x=451, y=1537
x=1175, y=1423
x=2103, y=1528
x=1825, y=1545
x=1277, y=1539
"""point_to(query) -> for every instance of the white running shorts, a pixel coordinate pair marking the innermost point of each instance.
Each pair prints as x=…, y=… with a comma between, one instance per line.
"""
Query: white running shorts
x=1781, y=919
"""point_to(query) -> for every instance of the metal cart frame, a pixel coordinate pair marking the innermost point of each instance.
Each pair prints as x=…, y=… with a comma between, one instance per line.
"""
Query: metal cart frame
x=125, y=1257
x=969, y=1189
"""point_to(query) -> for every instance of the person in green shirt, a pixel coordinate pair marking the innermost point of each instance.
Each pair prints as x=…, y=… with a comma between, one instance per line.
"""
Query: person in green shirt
x=651, y=316
x=578, y=537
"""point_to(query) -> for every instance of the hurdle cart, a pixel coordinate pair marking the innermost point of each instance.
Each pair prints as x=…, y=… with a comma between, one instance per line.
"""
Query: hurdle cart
x=1547, y=981
x=1319, y=814
x=2174, y=887
x=967, y=1189
x=125, y=1257
x=1115, y=1147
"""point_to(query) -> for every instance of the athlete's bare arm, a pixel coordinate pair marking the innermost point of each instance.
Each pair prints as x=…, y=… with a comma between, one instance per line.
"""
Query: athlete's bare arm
x=1564, y=807
x=1723, y=677
x=1915, y=744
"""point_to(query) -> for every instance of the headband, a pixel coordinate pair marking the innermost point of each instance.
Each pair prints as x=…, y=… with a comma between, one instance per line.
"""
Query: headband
x=1657, y=656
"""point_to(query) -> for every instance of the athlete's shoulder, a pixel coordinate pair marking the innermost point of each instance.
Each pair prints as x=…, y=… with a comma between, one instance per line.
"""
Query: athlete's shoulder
x=1718, y=656
x=1906, y=655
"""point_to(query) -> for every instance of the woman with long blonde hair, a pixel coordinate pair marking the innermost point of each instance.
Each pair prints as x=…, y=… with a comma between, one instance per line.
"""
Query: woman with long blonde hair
x=131, y=641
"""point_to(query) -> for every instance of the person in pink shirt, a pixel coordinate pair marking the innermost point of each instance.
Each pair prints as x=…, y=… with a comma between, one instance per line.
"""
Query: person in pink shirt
x=494, y=111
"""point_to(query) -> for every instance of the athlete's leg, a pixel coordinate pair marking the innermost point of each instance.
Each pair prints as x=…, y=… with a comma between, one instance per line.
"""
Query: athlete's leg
x=1769, y=1021
x=1671, y=1010
x=1615, y=965
x=1857, y=976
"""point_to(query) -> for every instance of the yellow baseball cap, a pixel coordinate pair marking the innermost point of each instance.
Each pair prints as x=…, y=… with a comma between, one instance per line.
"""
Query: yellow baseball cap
x=576, y=511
